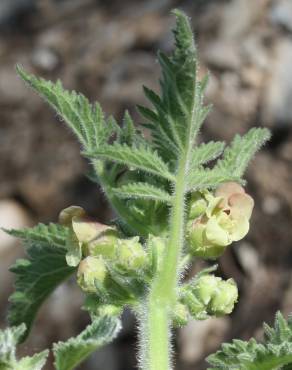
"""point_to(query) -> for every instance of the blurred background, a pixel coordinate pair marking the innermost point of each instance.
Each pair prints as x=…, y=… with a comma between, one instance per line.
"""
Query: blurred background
x=106, y=50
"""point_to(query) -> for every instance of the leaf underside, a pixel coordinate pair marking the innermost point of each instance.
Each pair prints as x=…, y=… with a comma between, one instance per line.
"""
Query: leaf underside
x=70, y=354
x=9, y=339
x=38, y=275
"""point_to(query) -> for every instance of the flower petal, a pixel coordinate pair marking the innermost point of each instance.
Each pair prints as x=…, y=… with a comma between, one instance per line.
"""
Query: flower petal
x=241, y=205
x=216, y=234
x=240, y=229
x=228, y=188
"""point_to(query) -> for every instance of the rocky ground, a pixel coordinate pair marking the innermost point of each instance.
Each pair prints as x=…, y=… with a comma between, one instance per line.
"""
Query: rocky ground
x=107, y=51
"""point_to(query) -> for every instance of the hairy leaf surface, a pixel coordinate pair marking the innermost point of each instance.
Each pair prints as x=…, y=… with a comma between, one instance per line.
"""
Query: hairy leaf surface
x=38, y=275
x=70, y=354
x=9, y=339
x=273, y=354
x=142, y=190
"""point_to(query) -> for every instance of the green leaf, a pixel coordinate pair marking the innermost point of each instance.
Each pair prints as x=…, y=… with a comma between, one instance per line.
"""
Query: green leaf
x=86, y=120
x=178, y=113
x=37, y=276
x=9, y=339
x=70, y=354
x=141, y=158
x=205, y=153
x=142, y=190
x=241, y=150
x=274, y=353
x=204, y=178
x=233, y=164
x=36, y=362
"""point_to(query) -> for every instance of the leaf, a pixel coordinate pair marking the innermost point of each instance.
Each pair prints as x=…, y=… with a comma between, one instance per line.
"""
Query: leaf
x=143, y=190
x=233, y=164
x=205, y=178
x=70, y=354
x=86, y=120
x=205, y=153
x=274, y=353
x=9, y=339
x=37, y=276
x=179, y=112
x=141, y=158
x=36, y=362
x=237, y=156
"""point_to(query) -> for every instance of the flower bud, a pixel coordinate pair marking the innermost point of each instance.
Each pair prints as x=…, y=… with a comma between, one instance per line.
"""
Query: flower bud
x=209, y=295
x=105, y=244
x=91, y=271
x=130, y=254
x=225, y=297
x=196, y=307
x=205, y=287
x=198, y=205
x=180, y=315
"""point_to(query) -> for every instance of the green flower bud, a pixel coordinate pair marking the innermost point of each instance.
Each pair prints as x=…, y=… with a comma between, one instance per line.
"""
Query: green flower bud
x=91, y=271
x=105, y=244
x=205, y=287
x=180, y=315
x=209, y=295
x=198, y=205
x=224, y=298
x=196, y=307
x=130, y=254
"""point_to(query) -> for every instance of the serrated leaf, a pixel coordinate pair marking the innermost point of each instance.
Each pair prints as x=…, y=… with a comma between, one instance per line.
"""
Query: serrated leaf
x=9, y=339
x=205, y=153
x=237, y=156
x=141, y=158
x=274, y=353
x=205, y=178
x=179, y=112
x=85, y=119
x=70, y=354
x=36, y=362
x=38, y=275
x=142, y=190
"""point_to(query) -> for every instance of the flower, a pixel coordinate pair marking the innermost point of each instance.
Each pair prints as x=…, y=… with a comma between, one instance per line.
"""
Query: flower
x=88, y=237
x=226, y=219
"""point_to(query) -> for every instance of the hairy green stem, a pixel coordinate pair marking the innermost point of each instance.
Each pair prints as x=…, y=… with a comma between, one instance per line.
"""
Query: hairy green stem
x=162, y=295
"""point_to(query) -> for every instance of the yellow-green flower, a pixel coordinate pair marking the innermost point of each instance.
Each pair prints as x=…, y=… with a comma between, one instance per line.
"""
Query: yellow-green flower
x=88, y=237
x=226, y=219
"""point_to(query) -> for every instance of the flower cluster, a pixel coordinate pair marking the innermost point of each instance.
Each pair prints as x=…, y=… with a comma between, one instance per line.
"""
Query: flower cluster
x=207, y=295
x=115, y=271
x=112, y=268
x=215, y=221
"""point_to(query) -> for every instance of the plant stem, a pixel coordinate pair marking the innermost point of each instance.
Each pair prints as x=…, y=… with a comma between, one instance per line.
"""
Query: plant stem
x=162, y=295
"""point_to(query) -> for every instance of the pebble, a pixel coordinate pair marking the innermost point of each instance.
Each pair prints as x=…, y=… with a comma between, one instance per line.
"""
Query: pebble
x=12, y=216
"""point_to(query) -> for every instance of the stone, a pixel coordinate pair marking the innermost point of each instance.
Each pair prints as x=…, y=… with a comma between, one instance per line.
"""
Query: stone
x=12, y=216
x=201, y=337
x=277, y=108
x=281, y=14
